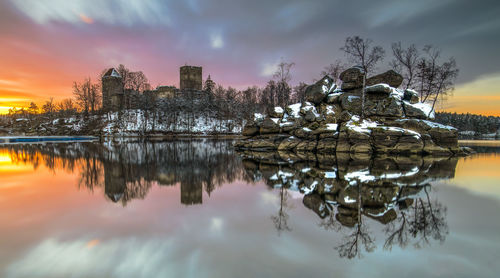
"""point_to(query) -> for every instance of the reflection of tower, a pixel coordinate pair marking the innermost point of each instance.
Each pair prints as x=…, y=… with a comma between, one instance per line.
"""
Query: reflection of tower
x=112, y=90
x=191, y=192
x=114, y=181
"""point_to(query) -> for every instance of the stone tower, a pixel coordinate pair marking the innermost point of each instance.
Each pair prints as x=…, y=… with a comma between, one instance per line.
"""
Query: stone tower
x=190, y=78
x=112, y=90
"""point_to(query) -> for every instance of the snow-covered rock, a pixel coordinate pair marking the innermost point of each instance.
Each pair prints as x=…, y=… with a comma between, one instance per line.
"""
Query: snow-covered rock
x=395, y=122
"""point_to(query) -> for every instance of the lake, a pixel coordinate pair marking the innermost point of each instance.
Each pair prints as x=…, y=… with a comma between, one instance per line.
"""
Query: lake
x=198, y=209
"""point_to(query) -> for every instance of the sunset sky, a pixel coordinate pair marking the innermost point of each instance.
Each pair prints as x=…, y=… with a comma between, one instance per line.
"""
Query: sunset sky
x=46, y=45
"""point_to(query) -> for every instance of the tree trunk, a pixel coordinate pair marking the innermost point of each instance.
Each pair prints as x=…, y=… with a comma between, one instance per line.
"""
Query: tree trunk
x=363, y=98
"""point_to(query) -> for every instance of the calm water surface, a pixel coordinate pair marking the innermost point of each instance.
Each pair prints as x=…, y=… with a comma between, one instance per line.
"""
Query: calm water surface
x=197, y=209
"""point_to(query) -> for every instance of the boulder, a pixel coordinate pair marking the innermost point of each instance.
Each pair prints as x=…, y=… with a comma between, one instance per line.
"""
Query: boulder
x=410, y=96
x=384, y=107
x=318, y=91
x=269, y=126
x=379, y=89
x=304, y=133
x=276, y=112
x=344, y=116
x=414, y=111
x=310, y=116
x=333, y=98
x=389, y=77
x=352, y=78
x=329, y=112
x=351, y=103
x=250, y=130
x=409, y=144
x=288, y=126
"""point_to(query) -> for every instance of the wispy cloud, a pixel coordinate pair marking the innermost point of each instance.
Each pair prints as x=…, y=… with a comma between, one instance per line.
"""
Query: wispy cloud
x=110, y=12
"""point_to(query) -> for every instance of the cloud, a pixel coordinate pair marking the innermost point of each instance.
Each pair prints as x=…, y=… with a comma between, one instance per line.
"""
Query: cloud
x=86, y=19
x=216, y=41
x=399, y=11
x=110, y=12
x=268, y=69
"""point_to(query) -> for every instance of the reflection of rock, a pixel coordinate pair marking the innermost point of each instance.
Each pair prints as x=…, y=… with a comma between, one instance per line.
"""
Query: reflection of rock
x=378, y=187
x=345, y=191
x=395, y=121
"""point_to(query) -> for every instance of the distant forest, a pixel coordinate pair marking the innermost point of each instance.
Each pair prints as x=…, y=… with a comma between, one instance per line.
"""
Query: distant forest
x=473, y=124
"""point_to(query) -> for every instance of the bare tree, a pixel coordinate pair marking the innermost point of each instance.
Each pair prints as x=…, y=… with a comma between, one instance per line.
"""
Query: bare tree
x=87, y=95
x=66, y=107
x=249, y=101
x=135, y=80
x=361, y=52
x=33, y=108
x=283, y=77
x=300, y=92
x=334, y=70
x=435, y=80
x=405, y=61
x=138, y=82
x=49, y=107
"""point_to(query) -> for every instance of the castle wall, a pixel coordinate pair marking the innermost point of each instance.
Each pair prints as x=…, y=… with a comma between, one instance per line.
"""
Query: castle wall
x=166, y=91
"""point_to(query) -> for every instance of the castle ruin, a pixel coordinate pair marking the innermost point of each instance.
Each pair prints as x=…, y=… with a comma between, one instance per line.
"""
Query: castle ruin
x=112, y=90
x=190, y=78
x=115, y=97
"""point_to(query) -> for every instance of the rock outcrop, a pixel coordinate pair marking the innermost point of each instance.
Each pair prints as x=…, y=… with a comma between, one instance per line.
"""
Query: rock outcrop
x=329, y=121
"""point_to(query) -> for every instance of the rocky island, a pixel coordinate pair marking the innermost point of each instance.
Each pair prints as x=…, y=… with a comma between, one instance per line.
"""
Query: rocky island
x=330, y=121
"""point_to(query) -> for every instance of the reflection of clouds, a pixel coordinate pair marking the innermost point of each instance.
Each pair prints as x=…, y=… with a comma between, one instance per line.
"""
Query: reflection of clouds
x=92, y=243
x=269, y=197
x=295, y=194
x=129, y=257
x=216, y=224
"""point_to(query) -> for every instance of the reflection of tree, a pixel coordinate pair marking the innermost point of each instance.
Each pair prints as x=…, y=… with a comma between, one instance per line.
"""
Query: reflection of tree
x=424, y=220
x=91, y=174
x=127, y=170
x=280, y=220
x=360, y=235
x=330, y=223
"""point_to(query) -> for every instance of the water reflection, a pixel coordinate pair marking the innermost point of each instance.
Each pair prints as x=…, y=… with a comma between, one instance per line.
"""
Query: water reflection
x=343, y=192
x=348, y=195
x=128, y=170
